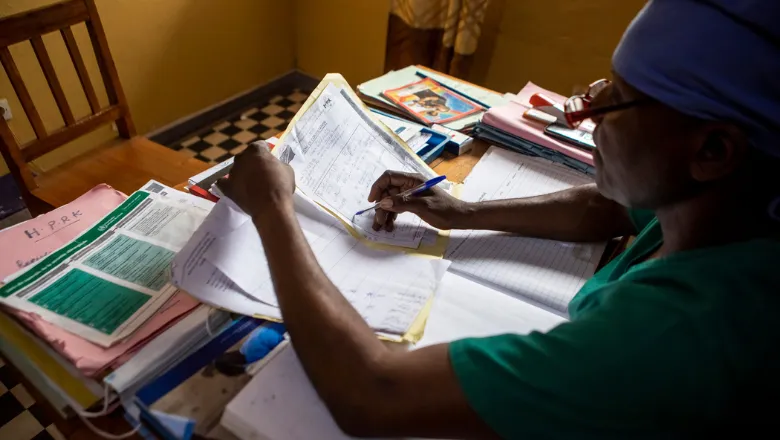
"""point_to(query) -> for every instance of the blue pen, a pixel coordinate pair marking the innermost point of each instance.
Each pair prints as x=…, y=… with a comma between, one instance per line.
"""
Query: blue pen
x=410, y=192
x=457, y=92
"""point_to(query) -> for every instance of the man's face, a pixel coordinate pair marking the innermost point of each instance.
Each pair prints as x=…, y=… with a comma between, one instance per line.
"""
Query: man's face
x=643, y=153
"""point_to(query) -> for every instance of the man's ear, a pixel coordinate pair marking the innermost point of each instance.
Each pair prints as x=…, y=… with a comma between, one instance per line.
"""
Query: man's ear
x=722, y=149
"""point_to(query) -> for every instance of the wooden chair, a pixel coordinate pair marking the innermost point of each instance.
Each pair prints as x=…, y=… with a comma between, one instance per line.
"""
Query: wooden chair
x=125, y=163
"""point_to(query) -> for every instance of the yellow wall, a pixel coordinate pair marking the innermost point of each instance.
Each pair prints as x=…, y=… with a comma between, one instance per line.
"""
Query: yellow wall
x=343, y=36
x=558, y=44
x=174, y=57
x=191, y=54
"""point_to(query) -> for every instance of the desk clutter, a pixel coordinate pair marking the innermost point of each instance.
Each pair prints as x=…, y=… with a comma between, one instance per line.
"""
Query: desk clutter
x=509, y=126
x=114, y=300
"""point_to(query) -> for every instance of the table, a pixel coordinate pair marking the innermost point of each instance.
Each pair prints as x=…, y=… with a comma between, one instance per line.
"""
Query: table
x=203, y=396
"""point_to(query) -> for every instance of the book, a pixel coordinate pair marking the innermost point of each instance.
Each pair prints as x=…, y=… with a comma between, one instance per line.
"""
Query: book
x=429, y=102
x=506, y=125
x=371, y=92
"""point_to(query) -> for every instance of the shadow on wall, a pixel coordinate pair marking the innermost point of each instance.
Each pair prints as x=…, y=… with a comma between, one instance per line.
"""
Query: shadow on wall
x=558, y=44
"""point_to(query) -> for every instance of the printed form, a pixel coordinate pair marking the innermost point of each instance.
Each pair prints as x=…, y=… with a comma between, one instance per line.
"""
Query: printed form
x=337, y=152
x=224, y=265
x=547, y=272
x=110, y=279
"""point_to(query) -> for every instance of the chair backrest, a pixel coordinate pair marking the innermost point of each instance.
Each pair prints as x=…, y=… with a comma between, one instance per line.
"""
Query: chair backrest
x=30, y=26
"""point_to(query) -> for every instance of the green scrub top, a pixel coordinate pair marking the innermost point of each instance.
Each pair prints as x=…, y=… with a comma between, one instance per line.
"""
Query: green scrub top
x=653, y=349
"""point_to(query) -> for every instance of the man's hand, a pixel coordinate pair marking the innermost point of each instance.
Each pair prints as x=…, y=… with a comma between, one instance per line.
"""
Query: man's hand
x=435, y=206
x=259, y=181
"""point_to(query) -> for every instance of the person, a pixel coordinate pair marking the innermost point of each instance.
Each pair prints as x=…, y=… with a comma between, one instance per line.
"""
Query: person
x=677, y=336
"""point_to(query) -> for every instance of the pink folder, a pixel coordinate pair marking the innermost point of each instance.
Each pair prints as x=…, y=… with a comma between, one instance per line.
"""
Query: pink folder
x=27, y=242
x=509, y=118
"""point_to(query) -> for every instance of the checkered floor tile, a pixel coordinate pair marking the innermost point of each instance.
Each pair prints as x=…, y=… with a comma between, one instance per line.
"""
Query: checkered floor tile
x=230, y=137
x=21, y=418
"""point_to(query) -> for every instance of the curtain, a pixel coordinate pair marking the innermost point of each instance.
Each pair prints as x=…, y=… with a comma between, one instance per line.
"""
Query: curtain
x=441, y=34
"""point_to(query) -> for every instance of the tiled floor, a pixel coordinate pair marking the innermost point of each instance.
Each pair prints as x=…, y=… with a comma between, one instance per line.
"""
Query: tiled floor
x=21, y=418
x=231, y=136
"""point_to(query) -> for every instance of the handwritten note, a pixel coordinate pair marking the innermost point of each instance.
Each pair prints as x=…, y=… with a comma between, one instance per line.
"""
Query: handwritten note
x=338, y=152
x=228, y=269
x=35, y=238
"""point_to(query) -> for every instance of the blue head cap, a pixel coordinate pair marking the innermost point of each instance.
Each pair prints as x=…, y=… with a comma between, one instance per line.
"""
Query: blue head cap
x=717, y=60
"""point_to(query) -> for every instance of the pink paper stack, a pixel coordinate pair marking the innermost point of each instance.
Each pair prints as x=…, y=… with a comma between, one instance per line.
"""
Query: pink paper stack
x=27, y=242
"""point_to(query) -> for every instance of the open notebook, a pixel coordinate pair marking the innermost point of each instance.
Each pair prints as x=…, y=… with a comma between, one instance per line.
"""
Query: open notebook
x=496, y=284
x=546, y=273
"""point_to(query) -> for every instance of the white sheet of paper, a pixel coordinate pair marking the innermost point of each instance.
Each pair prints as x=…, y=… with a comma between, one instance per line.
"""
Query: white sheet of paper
x=337, y=152
x=229, y=269
x=290, y=407
x=545, y=271
x=466, y=309
x=418, y=141
x=404, y=129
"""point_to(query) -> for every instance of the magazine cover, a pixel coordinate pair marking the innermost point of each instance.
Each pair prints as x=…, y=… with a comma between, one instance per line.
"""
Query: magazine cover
x=431, y=103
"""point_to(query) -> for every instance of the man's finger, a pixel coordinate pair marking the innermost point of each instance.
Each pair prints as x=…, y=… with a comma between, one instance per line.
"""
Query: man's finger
x=380, y=217
x=390, y=179
x=413, y=204
x=389, y=224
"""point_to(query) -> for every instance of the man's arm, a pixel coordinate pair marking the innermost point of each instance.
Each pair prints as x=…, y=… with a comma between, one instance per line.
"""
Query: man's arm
x=369, y=389
x=575, y=214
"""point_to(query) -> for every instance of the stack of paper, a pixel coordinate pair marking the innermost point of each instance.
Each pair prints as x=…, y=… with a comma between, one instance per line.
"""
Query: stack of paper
x=504, y=125
x=108, y=281
x=337, y=151
x=54, y=350
x=371, y=92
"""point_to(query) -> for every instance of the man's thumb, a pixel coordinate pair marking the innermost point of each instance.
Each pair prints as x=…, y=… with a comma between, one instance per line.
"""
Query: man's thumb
x=223, y=184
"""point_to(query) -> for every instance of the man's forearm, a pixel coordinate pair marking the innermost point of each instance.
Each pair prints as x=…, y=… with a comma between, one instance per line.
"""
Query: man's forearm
x=321, y=323
x=575, y=214
x=370, y=390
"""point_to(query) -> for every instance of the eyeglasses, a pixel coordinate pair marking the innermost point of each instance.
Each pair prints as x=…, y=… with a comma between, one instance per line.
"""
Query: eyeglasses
x=578, y=107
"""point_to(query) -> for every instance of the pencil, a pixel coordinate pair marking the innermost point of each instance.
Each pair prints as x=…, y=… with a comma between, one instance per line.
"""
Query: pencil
x=422, y=75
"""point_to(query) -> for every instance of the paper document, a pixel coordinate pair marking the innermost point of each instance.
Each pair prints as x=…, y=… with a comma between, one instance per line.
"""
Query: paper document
x=34, y=239
x=545, y=271
x=417, y=142
x=467, y=309
x=290, y=407
x=224, y=265
x=337, y=151
x=404, y=129
x=114, y=276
